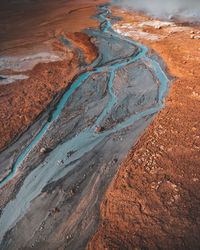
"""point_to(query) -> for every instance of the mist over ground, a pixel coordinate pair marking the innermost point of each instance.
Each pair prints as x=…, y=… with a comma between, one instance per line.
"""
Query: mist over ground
x=183, y=9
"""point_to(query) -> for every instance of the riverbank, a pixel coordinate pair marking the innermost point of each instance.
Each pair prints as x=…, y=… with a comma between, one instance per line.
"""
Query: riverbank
x=153, y=202
x=68, y=179
x=31, y=49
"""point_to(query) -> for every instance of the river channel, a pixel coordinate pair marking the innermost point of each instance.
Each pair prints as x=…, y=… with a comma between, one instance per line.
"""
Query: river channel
x=120, y=93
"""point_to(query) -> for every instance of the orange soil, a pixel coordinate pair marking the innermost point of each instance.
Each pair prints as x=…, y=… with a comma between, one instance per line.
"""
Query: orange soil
x=83, y=42
x=28, y=23
x=22, y=101
x=153, y=201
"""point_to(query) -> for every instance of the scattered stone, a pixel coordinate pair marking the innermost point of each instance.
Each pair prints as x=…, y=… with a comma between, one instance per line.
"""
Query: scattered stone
x=44, y=150
x=114, y=160
x=89, y=68
x=55, y=210
x=192, y=36
x=68, y=237
x=100, y=129
x=60, y=162
x=71, y=191
x=70, y=153
x=195, y=94
x=158, y=27
x=192, y=32
x=93, y=40
x=161, y=147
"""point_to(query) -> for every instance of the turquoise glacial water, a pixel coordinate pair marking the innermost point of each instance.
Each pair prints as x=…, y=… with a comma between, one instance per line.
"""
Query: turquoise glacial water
x=158, y=72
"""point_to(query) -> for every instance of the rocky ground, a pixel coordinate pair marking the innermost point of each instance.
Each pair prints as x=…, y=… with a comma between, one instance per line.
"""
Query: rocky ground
x=51, y=198
x=32, y=48
x=154, y=200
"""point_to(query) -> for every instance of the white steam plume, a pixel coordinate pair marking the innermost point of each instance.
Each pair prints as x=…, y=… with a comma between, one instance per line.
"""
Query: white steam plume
x=184, y=9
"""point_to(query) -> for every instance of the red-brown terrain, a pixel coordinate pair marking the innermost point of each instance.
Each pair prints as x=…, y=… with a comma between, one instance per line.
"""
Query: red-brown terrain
x=154, y=200
x=22, y=33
